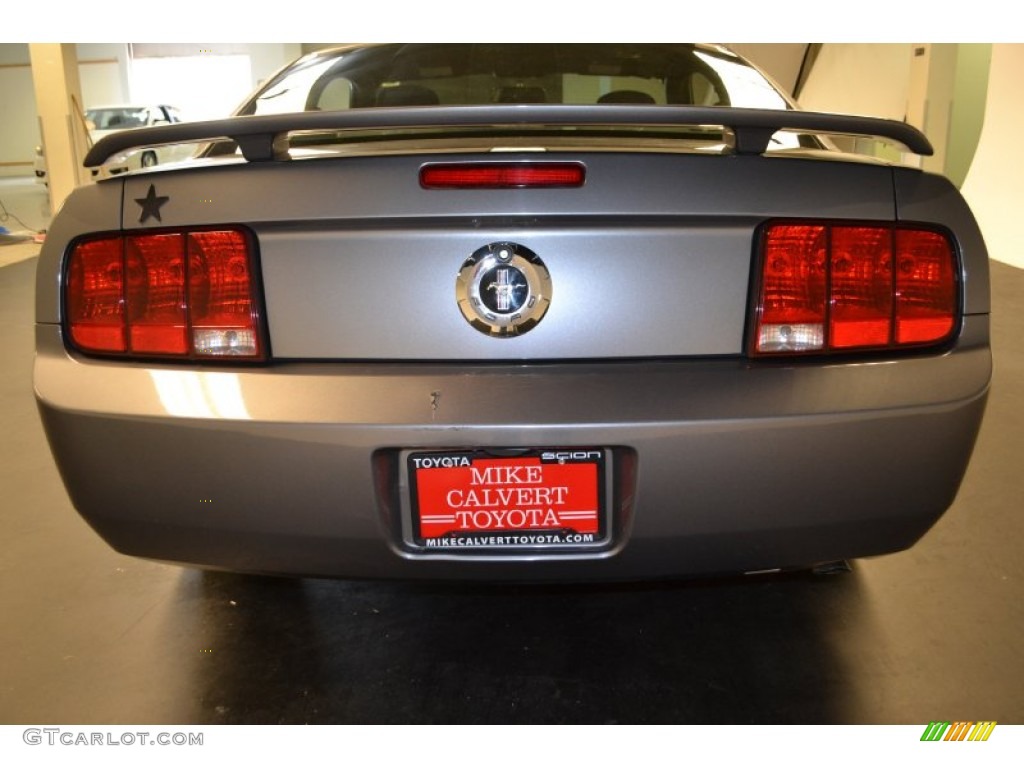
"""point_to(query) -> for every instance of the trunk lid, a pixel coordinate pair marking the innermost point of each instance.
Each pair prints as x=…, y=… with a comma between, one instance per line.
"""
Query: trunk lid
x=651, y=257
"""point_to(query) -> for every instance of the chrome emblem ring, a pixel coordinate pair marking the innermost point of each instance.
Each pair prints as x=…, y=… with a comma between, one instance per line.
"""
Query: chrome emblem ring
x=503, y=289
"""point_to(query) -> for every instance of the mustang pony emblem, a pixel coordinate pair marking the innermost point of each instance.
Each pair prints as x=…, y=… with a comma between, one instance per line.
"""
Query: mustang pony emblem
x=503, y=289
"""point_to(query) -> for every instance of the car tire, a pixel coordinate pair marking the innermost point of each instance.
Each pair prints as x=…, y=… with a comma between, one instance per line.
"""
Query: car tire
x=149, y=159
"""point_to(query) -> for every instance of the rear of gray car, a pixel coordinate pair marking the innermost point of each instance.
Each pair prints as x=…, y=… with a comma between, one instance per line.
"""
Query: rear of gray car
x=652, y=376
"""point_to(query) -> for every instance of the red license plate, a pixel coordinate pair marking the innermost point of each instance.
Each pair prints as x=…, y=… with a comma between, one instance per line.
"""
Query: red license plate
x=475, y=499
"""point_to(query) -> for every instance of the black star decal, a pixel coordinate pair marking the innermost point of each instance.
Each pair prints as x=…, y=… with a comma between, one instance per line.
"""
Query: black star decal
x=151, y=205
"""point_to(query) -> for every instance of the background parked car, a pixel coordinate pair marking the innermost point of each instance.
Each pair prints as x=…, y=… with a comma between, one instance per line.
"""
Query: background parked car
x=105, y=120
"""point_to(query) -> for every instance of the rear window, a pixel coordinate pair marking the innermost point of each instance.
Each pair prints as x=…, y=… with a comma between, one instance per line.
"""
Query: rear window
x=494, y=73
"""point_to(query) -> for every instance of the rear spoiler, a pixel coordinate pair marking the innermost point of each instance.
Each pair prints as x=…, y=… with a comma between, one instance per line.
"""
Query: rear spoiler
x=265, y=137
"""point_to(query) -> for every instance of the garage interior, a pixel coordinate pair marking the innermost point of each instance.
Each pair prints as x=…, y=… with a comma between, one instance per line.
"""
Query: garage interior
x=93, y=637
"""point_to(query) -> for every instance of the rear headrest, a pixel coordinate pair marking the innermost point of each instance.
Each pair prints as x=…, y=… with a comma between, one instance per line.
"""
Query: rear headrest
x=626, y=97
x=522, y=94
x=407, y=96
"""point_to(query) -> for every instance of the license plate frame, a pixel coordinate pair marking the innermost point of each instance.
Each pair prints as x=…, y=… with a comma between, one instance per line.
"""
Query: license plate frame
x=480, y=501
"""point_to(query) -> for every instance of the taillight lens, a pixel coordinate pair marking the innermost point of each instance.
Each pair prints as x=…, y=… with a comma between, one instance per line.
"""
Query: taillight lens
x=792, y=307
x=94, y=296
x=833, y=288
x=925, y=301
x=181, y=294
x=155, y=295
x=223, y=310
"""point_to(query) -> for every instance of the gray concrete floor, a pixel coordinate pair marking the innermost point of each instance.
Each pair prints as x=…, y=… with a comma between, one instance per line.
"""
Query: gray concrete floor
x=24, y=212
x=90, y=636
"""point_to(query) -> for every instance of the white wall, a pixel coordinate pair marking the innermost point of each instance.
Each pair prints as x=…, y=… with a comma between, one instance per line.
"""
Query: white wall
x=103, y=73
x=859, y=79
x=780, y=61
x=938, y=87
x=267, y=58
x=969, y=97
x=993, y=185
x=166, y=73
x=20, y=132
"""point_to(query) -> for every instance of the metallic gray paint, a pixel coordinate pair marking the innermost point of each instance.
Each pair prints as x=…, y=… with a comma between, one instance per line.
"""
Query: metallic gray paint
x=738, y=467
x=719, y=463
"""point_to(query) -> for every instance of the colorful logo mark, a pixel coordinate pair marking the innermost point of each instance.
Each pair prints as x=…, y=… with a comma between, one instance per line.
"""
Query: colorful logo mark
x=959, y=731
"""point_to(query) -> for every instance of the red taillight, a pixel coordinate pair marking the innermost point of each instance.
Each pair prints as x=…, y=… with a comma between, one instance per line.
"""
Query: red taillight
x=501, y=175
x=181, y=294
x=94, y=300
x=925, y=303
x=224, y=317
x=861, y=294
x=155, y=294
x=792, y=306
x=833, y=288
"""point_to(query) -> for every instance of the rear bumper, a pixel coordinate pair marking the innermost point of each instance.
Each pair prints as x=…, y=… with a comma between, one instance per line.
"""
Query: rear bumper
x=719, y=465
